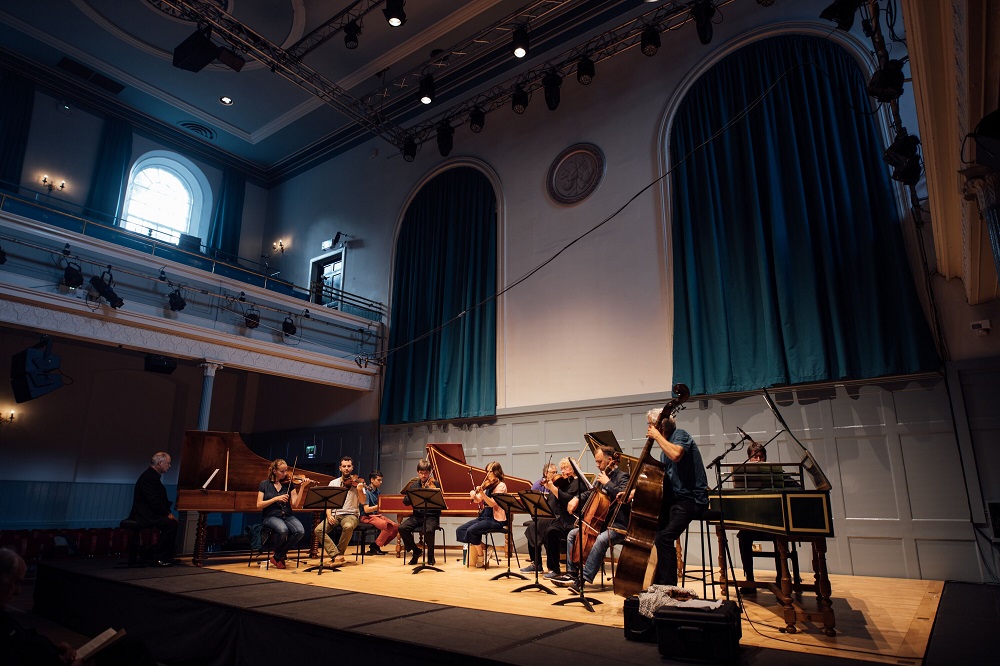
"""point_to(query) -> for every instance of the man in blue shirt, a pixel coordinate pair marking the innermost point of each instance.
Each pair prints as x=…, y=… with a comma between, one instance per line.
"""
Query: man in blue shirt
x=685, y=491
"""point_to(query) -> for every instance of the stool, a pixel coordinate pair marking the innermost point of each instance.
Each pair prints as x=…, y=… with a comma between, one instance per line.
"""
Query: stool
x=133, y=529
x=706, y=572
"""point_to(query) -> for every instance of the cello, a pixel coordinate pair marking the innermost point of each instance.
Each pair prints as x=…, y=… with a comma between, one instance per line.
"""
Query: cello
x=593, y=519
x=647, y=482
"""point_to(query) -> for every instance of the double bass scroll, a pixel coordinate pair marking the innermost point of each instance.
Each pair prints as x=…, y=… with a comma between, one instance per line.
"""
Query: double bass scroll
x=647, y=482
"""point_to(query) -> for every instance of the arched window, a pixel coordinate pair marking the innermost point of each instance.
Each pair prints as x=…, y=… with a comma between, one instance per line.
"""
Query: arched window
x=167, y=196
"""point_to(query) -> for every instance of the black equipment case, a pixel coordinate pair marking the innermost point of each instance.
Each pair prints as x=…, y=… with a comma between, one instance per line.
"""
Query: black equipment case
x=697, y=634
x=637, y=626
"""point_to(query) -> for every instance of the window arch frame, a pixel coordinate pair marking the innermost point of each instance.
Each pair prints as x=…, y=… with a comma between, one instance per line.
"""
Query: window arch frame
x=190, y=175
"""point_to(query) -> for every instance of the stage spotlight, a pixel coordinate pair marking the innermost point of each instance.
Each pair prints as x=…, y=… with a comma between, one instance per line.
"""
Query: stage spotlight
x=909, y=173
x=987, y=138
x=519, y=100
x=394, y=13
x=351, y=33
x=585, y=71
x=841, y=12
x=519, y=43
x=550, y=84
x=177, y=302
x=288, y=326
x=650, y=42
x=427, y=89
x=242, y=297
x=65, y=250
x=105, y=289
x=886, y=83
x=3, y=256
x=902, y=150
x=445, y=138
x=159, y=364
x=409, y=149
x=195, y=52
x=252, y=318
x=73, y=275
x=477, y=120
x=702, y=12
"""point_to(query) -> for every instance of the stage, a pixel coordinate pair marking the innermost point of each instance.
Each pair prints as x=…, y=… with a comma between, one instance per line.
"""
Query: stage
x=228, y=613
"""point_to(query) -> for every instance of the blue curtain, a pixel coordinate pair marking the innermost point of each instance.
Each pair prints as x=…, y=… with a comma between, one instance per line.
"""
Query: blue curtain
x=445, y=264
x=107, y=187
x=788, y=256
x=227, y=219
x=17, y=98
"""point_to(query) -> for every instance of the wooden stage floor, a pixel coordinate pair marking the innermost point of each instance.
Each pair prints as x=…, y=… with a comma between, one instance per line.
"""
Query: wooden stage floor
x=883, y=620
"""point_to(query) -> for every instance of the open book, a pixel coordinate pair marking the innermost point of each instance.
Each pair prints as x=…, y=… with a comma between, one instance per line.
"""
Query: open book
x=106, y=638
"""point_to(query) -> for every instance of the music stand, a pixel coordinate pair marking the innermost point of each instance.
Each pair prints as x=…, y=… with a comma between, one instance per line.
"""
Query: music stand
x=325, y=498
x=537, y=507
x=580, y=598
x=424, y=499
x=509, y=503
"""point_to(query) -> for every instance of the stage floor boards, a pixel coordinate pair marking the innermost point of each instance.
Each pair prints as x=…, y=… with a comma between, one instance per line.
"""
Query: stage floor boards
x=884, y=620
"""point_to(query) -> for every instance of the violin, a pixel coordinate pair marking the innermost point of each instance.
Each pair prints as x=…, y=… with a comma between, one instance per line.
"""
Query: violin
x=298, y=480
x=430, y=483
x=353, y=481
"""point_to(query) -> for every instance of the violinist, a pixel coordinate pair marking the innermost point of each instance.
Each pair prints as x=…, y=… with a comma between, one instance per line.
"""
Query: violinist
x=347, y=516
x=425, y=521
x=613, y=482
x=371, y=515
x=685, y=491
x=564, y=488
x=276, y=496
x=535, y=531
x=491, y=518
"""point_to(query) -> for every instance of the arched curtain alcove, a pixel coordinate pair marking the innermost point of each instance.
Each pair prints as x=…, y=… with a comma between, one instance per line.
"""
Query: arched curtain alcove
x=789, y=265
x=440, y=367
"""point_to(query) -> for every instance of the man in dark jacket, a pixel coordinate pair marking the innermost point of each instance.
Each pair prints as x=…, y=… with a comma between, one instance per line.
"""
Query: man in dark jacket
x=151, y=508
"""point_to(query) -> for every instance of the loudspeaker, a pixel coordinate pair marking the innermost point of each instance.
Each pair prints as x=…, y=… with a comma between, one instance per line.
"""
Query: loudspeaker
x=159, y=364
x=32, y=372
x=196, y=51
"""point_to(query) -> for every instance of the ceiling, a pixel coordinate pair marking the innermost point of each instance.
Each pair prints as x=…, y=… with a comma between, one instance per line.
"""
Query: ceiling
x=311, y=106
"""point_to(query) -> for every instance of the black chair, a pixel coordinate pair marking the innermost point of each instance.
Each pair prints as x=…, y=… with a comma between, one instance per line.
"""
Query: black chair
x=265, y=548
x=706, y=572
x=134, y=530
x=360, y=537
x=508, y=546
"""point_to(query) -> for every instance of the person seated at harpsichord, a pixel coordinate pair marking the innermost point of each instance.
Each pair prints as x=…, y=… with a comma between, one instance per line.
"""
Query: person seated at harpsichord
x=348, y=516
x=491, y=518
x=614, y=481
x=756, y=453
x=276, y=495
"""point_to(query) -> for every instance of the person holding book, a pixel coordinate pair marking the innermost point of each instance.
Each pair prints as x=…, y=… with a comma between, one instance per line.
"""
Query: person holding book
x=371, y=515
x=151, y=508
x=276, y=495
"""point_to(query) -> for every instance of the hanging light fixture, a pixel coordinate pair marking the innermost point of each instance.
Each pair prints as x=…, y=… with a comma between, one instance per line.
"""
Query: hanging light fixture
x=427, y=89
x=73, y=275
x=252, y=318
x=409, y=149
x=477, y=120
x=351, y=33
x=177, y=302
x=841, y=12
x=650, y=41
x=519, y=43
x=551, y=83
x=519, y=100
x=288, y=326
x=886, y=83
x=702, y=12
x=585, y=71
x=394, y=13
x=445, y=137
x=105, y=289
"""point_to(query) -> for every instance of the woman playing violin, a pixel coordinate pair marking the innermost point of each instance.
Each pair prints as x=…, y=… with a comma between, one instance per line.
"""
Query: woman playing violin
x=491, y=518
x=276, y=496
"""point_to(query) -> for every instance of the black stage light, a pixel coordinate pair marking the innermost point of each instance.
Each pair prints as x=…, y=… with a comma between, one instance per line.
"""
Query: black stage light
x=702, y=12
x=177, y=302
x=987, y=137
x=650, y=41
x=427, y=89
x=195, y=52
x=105, y=289
x=351, y=33
x=394, y=13
x=841, y=12
x=65, y=250
x=252, y=318
x=902, y=150
x=519, y=43
x=477, y=120
x=231, y=59
x=445, y=138
x=585, y=71
x=242, y=297
x=159, y=364
x=886, y=83
x=73, y=275
x=550, y=84
x=409, y=149
x=3, y=257
x=909, y=173
x=288, y=326
x=519, y=100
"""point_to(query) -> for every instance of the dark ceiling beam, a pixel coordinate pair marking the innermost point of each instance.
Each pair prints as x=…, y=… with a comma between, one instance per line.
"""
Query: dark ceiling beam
x=332, y=27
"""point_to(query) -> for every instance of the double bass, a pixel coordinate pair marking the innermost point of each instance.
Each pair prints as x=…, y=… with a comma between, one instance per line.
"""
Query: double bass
x=647, y=482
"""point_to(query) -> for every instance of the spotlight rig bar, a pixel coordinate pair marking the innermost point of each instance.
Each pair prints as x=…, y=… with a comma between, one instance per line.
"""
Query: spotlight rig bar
x=356, y=11
x=599, y=48
x=282, y=62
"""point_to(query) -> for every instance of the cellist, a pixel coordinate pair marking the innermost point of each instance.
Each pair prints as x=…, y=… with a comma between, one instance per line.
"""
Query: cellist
x=685, y=491
x=613, y=481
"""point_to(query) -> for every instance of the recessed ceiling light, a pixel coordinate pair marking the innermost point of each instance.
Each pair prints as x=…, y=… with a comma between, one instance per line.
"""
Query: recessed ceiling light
x=226, y=101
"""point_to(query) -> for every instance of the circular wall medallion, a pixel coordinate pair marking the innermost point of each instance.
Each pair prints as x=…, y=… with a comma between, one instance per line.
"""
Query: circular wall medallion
x=575, y=173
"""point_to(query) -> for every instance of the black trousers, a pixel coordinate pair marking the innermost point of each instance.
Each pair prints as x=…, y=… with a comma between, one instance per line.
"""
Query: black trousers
x=674, y=519
x=166, y=545
x=426, y=524
x=555, y=537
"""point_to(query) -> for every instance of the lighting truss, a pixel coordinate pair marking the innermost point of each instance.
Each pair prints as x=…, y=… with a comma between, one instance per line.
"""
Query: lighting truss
x=334, y=26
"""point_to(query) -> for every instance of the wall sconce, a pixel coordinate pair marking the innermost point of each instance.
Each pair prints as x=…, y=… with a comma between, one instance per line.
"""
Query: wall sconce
x=51, y=185
x=7, y=419
x=278, y=246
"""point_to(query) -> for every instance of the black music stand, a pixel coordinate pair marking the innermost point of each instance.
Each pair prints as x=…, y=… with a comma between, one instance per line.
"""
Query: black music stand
x=325, y=498
x=422, y=499
x=580, y=598
x=509, y=503
x=537, y=507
